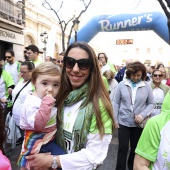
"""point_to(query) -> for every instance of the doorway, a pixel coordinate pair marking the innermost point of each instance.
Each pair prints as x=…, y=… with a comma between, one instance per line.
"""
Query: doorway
x=3, y=47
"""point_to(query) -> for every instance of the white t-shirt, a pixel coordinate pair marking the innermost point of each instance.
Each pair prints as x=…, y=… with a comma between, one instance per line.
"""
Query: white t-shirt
x=112, y=88
x=164, y=81
x=105, y=67
x=13, y=70
x=20, y=100
x=158, y=95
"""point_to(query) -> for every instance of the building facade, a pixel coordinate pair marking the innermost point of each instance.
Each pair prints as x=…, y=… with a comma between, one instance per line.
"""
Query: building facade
x=12, y=22
x=21, y=24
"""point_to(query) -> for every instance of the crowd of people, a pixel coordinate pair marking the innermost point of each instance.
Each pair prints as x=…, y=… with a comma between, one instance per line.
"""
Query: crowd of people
x=71, y=105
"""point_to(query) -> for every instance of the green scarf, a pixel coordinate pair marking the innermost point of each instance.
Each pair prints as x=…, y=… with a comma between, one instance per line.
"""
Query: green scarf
x=83, y=121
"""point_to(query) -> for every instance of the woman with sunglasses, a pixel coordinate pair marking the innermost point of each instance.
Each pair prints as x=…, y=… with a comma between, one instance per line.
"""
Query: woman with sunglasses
x=159, y=90
x=85, y=117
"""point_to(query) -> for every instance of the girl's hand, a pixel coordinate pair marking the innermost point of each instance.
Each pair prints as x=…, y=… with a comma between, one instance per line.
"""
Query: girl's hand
x=49, y=94
x=40, y=161
x=139, y=118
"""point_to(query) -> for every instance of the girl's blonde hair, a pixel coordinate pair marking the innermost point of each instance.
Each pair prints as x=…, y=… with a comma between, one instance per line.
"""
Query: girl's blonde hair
x=46, y=68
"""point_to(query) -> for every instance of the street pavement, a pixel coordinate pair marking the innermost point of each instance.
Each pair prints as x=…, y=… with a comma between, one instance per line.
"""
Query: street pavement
x=109, y=162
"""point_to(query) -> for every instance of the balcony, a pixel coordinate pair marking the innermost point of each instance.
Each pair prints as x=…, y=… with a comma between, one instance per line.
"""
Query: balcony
x=13, y=12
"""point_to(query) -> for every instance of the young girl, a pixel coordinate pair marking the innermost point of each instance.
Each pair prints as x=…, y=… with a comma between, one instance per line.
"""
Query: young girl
x=38, y=114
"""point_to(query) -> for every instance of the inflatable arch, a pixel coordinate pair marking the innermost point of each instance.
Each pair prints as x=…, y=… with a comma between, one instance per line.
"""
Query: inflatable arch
x=155, y=21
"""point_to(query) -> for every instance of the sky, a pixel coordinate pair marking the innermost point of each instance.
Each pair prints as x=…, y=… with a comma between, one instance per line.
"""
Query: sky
x=99, y=7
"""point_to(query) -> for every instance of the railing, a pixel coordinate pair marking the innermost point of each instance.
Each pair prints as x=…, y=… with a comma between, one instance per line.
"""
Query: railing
x=12, y=12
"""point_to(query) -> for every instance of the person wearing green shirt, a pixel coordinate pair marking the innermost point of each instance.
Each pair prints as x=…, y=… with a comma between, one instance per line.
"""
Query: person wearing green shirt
x=12, y=66
x=6, y=86
x=153, y=149
x=32, y=53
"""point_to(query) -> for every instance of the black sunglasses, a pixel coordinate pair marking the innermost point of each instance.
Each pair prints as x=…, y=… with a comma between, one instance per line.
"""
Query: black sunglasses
x=83, y=64
x=158, y=75
x=8, y=56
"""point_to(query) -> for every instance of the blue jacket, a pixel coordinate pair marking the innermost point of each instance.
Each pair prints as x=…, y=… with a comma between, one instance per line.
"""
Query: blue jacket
x=119, y=76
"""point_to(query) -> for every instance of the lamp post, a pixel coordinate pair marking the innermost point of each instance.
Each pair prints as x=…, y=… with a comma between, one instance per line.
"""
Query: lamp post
x=76, y=26
x=44, y=38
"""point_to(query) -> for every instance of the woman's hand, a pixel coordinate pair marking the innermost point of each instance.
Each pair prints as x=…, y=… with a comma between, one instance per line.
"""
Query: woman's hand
x=9, y=91
x=3, y=100
x=139, y=118
x=116, y=125
x=40, y=161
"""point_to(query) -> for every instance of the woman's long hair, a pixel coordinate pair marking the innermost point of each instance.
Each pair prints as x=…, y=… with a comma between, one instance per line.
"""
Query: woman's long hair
x=97, y=89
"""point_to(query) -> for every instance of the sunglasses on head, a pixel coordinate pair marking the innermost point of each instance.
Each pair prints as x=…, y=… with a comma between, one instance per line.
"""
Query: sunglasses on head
x=83, y=64
x=158, y=75
x=8, y=56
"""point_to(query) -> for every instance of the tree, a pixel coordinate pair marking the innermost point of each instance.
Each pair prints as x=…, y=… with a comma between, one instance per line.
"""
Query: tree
x=64, y=24
x=167, y=13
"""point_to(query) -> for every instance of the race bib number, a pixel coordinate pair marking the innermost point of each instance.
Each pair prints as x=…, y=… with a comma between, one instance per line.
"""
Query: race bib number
x=68, y=141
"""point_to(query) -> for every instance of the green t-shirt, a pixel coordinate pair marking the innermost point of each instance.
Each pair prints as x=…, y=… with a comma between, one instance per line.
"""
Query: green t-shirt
x=105, y=82
x=6, y=81
x=166, y=102
x=111, y=66
x=37, y=62
x=105, y=119
x=154, y=143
